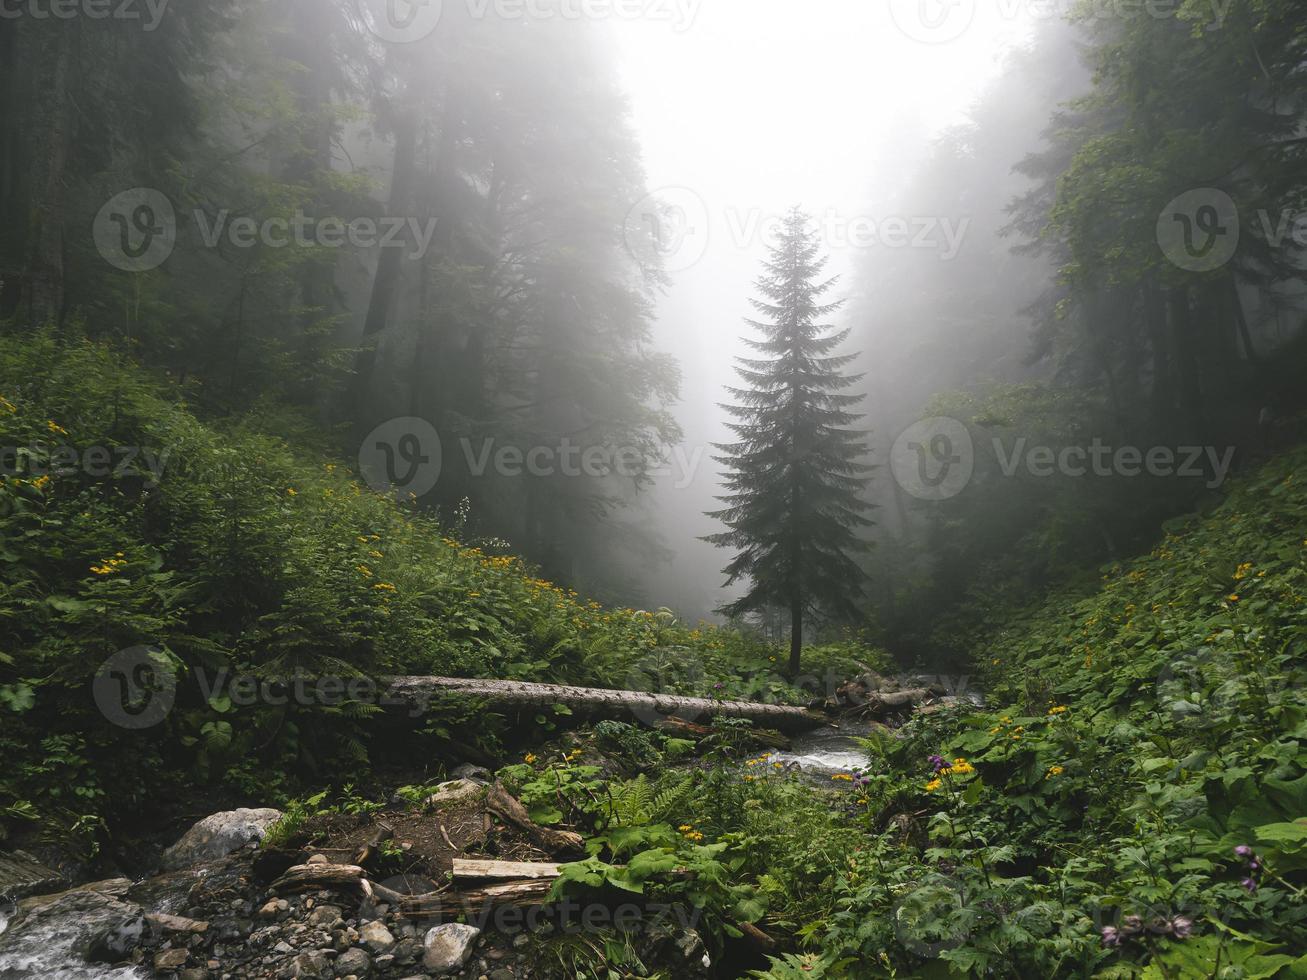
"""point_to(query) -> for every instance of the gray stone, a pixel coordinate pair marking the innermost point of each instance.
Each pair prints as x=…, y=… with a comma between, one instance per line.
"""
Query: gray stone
x=455, y=791
x=376, y=937
x=448, y=947
x=354, y=961
x=218, y=835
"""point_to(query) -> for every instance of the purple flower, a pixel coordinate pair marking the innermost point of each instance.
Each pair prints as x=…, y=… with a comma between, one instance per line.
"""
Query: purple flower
x=1249, y=885
x=1132, y=924
x=938, y=762
x=1111, y=937
x=1181, y=926
x=719, y=685
x=1243, y=851
x=1253, y=865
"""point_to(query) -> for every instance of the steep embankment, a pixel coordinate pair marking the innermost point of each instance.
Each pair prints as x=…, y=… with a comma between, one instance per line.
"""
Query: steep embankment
x=242, y=550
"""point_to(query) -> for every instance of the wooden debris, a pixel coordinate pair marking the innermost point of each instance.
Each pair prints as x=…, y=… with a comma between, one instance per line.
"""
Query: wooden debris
x=311, y=877
x=600, y=702
x=22, y=875
x=500, y=802
x=468, y=868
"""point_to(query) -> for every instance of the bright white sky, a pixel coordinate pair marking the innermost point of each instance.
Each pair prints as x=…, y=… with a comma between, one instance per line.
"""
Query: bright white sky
x=757, y=105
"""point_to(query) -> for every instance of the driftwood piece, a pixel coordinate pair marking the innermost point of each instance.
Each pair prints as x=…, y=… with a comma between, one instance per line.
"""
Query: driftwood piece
x=384, y=832
x=310, y=877
x=756, y=936
x=515, y=893
x=500, y=802
x=469, y=868
x=646, y=707
x=176, y=924
x=693, y=730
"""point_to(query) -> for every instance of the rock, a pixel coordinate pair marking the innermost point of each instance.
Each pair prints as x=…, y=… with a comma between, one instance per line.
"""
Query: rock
x=376, y=937
x=455, y=791
x=194, y=973
x=520, y=940
x=111, y=887
x=474, y=773
x=171, y=959
x=218, y=835
x=313, y=965
x=353, y=961
x=448, y=947
x=21, y=874
x=325, y=916
x=318, y=859
x=270, y=910
x=503, y=973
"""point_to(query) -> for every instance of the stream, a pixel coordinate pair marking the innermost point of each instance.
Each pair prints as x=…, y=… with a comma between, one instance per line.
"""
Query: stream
x=831, y=748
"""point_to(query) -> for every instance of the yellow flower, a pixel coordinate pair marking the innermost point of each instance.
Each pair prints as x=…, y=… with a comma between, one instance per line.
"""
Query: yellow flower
x=685, y=827
x=1054, y=771
x=290, y=492
x=56, y=428
x=364, y=571
x=384, y=587
x=1233, y=597
x=41, y=482
x=933, y=785
x=1057, y=709
x=844, y=776
x=529, y=758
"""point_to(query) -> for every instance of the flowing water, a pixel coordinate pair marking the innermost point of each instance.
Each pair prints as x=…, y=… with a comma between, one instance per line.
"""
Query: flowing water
x=831, y=748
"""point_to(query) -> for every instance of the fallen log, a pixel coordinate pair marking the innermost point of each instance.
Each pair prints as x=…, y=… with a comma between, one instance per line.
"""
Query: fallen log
x=501, y=803
x=311, y=877
x=469, y=868
x=642, y=706
x=519, y=894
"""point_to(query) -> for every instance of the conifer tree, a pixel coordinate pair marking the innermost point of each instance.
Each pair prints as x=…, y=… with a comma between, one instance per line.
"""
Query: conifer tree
x=794, y=477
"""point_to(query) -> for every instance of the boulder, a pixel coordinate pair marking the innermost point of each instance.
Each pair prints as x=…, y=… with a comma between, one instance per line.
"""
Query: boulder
x=218, y=835
x=447, y=948
x=376, y=937
x=353, y=962
x=455, y=791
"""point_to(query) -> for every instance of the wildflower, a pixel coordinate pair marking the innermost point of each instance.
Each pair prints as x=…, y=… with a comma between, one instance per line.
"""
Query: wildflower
x=937, y=762
x=1182, y=926
x=529, y=758
x=844, y=776
x=41, y=482
x=1243, y=851
x=1054, y=771
x=56, y=428
x=933, y=785
x=364, y=571
x=384, y=587
x=1233, y=597
x=1111, y=936
x=1057, y=709
x=685, y=828
x=1249, y=885
x=290, y=492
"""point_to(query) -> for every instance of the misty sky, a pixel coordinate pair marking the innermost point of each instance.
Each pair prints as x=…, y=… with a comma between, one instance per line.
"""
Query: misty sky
x=750, y=107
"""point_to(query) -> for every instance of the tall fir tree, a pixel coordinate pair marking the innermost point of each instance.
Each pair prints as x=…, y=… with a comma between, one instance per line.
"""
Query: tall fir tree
x=794, y=477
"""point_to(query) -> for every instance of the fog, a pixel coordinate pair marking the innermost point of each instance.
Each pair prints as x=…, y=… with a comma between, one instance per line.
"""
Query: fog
x=750, y=108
